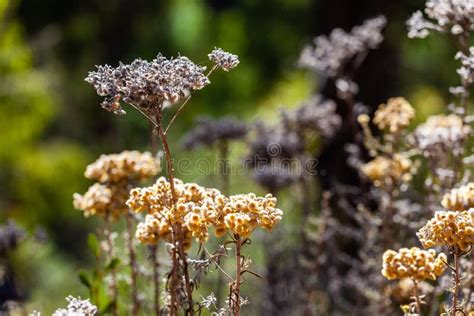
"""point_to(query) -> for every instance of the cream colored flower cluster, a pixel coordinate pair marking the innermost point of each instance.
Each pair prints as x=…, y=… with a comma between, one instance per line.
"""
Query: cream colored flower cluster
x=459, y=199
x=114, y=174
x=413, y=263
x=197, y=210
x=441, y=133
x=448, y=228
x=125, y=166
x=384, y=171
x=395, y=115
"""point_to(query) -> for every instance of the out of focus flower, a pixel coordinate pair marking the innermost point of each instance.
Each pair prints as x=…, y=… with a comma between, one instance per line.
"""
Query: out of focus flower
x=330, y=54
x=384, y=171
x=459, y=199
x=395, y=115
x=413, y=263
x=450, y=229
x=441, y=134
x=224, y=60
x=114, y=174
x=77, y=307
x=125, y=166
x=10, y=236
x=466, y=71
x=453, y=16
x=208, y=132
x=315, y=115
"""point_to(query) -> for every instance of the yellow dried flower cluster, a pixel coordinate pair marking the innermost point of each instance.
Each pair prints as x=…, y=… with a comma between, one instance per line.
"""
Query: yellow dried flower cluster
x=384, y=171
x=127, y=165
x=413, y=263
x=449, y=228
x=395, y=115
x=459, y=199
x=197, y=210
x=114, y=174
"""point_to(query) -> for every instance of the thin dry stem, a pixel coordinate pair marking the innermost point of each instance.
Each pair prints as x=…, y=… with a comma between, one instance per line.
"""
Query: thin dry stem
x=133, y=265
x=113, y=272
x=417, y=296
x=177, y=231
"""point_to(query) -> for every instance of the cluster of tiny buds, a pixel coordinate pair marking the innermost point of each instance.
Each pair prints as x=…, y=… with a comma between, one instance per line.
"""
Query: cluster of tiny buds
x=395, y=115
x=224, y=60
x=413, y=263
x=459, y=199
x=385, y=171
x=449, y=228
x=197, y=210
x=114, y=174
x=77, y=307
x=125, y=166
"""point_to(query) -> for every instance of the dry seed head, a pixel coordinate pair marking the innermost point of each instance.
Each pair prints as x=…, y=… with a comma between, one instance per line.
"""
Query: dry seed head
x=395, y=115
x=459, y=199
x=440, y=134
x=385, y=171
x=449, y=228
x=224, y=60
x=413, y=263
x=199, y=209
x=125, y=166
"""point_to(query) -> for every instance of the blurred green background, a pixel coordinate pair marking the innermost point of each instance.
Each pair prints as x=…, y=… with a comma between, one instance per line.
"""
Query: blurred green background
x=52, y=125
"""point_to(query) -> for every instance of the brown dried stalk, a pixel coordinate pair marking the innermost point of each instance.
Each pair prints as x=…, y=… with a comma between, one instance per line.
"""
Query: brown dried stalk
x=177, y=234
x=234, y=295
x=417, y=296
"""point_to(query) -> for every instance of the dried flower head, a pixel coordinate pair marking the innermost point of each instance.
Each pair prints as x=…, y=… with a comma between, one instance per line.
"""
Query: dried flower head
x=224, y=60
x=10, y=236
x=329, y=55
x=450, y=16
x=102, y=200
x=384, y=171
x=413, y=263
x=145, y=84
x=448, y=228
x=466, y=71
x=208, y=132
x=315, y=115
x=126, y=166
x=77, y=307
x=245, y=212
x=459, y=199
x=395, y=115
x=197, y=210
x=114, y=174
x=441, y=134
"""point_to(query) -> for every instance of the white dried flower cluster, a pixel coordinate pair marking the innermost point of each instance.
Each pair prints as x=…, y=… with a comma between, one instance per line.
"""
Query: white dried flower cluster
x=147, y=83
x=466, y=71
x=224, y=60
x=77, y=307
x=329, y=54
x=441, y=134
x=453, y=16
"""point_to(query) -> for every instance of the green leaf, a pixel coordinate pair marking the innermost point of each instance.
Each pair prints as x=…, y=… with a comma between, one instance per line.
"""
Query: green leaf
x=85, y=279
x=93, y=243
x=112, y=264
